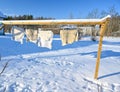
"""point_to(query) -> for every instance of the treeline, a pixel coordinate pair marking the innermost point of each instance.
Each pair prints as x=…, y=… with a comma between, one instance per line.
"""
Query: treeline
x=26, y=17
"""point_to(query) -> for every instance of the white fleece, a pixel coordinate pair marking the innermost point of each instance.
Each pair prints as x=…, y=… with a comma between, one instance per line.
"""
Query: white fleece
x=68, y=36
x=32, y=35
x=18, y=34
x=45, y=39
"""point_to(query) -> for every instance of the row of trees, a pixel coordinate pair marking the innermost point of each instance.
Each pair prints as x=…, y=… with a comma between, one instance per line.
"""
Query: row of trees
x=20, y=17
x=26, y=17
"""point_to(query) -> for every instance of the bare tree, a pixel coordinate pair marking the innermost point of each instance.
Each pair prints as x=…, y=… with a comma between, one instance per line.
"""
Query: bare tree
x=114, y=23
x=112, y=11
x=103, y=14
x=93, y=14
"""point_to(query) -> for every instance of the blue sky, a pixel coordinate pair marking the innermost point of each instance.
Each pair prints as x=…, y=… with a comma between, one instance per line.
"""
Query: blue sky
x=56, y=8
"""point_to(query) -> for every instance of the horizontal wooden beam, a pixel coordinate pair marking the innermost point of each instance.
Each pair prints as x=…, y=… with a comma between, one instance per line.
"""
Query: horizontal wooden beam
x=55, y=22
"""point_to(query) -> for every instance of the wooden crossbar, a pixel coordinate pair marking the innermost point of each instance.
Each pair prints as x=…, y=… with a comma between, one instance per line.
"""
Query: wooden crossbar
x=56, y=22
x=103, y=22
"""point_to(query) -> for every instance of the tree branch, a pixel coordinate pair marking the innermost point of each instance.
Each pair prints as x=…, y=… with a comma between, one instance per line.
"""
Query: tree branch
x=4, y=68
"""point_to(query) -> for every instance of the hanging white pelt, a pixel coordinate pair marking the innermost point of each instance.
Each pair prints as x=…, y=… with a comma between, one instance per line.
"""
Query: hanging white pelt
x=68, y=36
x=45, y=39
x=18, y=34
x=32, y=35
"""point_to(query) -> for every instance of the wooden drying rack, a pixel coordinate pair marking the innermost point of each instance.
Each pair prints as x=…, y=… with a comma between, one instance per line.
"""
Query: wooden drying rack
x=103, y=22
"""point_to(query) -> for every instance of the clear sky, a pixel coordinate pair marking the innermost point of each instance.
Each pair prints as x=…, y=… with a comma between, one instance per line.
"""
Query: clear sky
x=56, y=8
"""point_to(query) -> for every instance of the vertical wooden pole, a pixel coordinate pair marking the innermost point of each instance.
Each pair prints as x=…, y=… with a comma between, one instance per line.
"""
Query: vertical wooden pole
x=102, y=30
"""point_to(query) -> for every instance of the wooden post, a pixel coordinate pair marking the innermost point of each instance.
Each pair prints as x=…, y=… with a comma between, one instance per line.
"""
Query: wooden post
x=102, y=30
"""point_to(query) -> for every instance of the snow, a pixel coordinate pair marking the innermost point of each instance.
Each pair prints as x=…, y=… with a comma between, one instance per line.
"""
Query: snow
x=67, y=68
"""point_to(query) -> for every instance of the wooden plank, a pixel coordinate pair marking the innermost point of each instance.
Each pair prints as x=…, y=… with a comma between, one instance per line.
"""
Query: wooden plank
x=48, y=23
x=55, y=22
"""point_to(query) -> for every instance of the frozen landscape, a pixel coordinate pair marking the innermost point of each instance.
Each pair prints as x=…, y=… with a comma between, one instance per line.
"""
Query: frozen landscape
x=67, y=68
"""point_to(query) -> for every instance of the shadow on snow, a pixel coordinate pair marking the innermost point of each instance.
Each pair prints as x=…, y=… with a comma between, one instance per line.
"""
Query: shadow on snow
x=109, y=75
x=104, y=54
x=10, y=47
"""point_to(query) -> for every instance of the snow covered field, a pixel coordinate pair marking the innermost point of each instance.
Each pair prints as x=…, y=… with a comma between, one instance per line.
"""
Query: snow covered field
x=67, y=68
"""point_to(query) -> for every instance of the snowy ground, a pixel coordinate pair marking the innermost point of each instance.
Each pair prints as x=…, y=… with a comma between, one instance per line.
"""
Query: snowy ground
x=67, y=68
